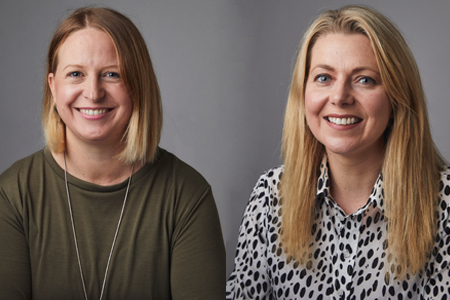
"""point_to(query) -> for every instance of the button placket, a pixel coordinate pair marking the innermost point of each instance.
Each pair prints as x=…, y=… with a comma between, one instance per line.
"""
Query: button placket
x=348, y=241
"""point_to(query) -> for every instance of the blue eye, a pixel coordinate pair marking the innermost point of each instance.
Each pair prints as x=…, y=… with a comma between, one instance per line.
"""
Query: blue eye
x=74, y=74
x=322, y=78
x=112, y=75
x=366, y=80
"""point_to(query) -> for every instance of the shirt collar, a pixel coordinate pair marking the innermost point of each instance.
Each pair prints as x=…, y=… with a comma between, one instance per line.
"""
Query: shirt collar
x=376, y=198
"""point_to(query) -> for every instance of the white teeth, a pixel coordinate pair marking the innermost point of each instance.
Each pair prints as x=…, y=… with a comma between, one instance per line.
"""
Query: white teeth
x=93, y=112
x=342, y=121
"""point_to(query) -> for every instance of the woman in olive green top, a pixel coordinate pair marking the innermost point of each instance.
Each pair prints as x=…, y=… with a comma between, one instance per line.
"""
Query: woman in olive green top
x=102, y=212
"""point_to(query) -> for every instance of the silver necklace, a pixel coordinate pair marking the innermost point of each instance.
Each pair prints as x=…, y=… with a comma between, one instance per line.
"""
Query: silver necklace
x=75, y=236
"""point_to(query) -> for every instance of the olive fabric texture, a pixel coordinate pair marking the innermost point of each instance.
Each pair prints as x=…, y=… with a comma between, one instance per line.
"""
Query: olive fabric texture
x=169, y=246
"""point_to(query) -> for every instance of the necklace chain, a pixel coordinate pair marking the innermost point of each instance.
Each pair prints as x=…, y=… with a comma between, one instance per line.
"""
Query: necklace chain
x=75, y=236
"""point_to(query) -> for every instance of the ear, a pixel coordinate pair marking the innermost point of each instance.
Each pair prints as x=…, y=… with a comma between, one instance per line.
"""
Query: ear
x=51, y=84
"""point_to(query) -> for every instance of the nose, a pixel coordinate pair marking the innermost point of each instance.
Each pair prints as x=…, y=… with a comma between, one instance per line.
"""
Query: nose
x=93, y=89
x=341, y=93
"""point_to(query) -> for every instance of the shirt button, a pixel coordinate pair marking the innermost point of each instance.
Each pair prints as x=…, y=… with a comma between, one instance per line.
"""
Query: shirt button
x=346, y=254
x=340, y=294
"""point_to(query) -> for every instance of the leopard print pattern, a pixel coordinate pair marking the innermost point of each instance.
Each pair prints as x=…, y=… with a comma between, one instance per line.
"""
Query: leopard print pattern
x=349, y=255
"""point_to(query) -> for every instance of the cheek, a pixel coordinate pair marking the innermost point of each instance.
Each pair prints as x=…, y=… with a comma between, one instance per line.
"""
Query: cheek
x=63, y=94
x=312, y=108
x=123, y=97
x=308, y=112
x=382, y=108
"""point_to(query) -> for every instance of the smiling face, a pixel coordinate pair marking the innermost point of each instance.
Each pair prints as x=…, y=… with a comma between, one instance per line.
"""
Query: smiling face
x=347, y=107
x=88, y=91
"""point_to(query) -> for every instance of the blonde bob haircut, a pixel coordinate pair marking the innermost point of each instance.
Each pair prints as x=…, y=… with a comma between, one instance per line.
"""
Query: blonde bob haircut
x=411, y=163
x=142, y=135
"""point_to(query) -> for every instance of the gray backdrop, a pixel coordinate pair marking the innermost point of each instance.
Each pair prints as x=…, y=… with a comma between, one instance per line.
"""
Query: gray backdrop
x=224, y=69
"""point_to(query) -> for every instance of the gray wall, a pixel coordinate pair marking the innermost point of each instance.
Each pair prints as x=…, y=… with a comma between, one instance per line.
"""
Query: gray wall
x=224, y=70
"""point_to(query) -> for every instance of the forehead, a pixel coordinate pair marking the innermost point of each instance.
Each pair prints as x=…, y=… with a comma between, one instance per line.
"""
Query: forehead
x=87, y=46
x=342, y=49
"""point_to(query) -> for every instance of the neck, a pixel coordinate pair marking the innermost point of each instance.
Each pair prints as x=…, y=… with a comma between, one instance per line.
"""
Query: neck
x=352, y=179
x=97, y=165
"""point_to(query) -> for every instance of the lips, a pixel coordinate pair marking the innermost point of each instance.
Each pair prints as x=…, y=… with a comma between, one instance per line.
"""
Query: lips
x=343, y=121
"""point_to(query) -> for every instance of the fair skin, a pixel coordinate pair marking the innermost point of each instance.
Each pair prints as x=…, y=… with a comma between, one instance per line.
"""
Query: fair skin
x=95, y=106
x=347, y=110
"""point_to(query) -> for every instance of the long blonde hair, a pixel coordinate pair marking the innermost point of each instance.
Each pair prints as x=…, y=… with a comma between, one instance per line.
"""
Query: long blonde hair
x=143, y=133
x=411, y=163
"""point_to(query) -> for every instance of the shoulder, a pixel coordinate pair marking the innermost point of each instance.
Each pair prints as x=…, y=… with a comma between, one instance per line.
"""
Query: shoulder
x=269, y=181
x=182, y=186
x=444, y=183
x=21, y=169
x=444, y=189
x=264, y=199
x=270, y=177
x=444, y=202
x=183, y=190
x=179, y=172
x=19, y=179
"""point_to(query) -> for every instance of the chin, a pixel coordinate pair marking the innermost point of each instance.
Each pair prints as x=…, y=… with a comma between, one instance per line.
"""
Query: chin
x=341, y=148
x=338, y=151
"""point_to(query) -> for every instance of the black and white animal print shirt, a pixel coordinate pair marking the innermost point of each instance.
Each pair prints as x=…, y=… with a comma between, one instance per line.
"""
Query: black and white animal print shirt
x=349, y=259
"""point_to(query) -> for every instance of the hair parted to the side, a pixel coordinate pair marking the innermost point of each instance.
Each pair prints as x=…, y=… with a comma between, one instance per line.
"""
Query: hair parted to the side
x=411, y=163
x=142, y=135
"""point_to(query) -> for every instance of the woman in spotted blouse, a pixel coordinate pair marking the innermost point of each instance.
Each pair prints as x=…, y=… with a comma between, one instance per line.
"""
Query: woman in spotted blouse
x=360, y=209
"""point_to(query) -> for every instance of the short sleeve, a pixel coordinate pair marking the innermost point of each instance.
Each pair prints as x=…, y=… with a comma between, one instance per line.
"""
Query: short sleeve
x=198, y=255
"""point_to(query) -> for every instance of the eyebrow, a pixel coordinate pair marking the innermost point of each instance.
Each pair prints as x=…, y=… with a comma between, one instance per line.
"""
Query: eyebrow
x=330, y=68
x=70, y=66
x=80, y=67
x=326, y=67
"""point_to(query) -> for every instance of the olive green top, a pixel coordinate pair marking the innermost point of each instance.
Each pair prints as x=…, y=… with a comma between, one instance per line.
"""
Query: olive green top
x=169, y=246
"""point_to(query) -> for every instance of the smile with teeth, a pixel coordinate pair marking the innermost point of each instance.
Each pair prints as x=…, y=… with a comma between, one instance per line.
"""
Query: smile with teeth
x=93, y=112
x=343, y=121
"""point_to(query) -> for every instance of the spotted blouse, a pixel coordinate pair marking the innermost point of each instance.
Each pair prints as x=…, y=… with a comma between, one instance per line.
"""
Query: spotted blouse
x=349, y=258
